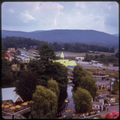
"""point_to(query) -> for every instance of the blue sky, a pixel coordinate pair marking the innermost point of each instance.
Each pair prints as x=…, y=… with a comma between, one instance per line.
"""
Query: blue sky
x=31, y=16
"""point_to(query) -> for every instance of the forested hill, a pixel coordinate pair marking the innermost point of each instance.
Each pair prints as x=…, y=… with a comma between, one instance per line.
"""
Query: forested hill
x=68, y=36
x=20, y=42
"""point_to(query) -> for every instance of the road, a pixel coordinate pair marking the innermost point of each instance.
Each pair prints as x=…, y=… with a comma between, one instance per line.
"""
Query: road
x=26, y=53
x=111, y=108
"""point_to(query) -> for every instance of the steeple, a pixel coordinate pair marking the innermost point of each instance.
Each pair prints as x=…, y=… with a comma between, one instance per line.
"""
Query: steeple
x=62, y=55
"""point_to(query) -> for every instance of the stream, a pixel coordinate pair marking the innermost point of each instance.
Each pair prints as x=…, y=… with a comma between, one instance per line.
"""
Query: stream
x=71, y=104
x=68, y=95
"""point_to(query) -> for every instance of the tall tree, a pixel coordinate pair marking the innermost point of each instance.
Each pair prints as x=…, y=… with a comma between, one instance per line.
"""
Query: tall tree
x=45, y=103
x=4, y=49
x=59, y=73
x=88, y=83
x=7, y=77
x=84, y=79
x=115, y=85
x=83, y=100
x=53, y=86
x=78, y=72
x=26, y=85
x=46, y=54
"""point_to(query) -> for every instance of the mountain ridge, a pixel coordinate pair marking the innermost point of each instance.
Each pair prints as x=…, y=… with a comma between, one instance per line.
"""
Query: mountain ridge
x=67, y=35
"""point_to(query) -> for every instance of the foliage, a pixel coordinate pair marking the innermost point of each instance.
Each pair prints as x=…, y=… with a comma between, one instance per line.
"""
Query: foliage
x=59, y=73
x=83, y=100
x=26, y=85
x=53, y=86
x=21, y=42
x=45, y=103
x=115, y=86
x=10, y=44
x=21, y=66
x=4, y=49
x=47, y=54
x=102, y=58
x=84, y=79
x=78, y=72
x=77, y=47
x=7, y=77
x=88, y=83
x=49, y=69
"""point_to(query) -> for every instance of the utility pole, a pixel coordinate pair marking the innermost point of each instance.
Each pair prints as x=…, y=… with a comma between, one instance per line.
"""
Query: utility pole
x=110, y=87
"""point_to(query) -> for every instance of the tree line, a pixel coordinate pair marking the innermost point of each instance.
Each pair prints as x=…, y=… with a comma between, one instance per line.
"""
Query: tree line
x=20, y=42
x=103, y=58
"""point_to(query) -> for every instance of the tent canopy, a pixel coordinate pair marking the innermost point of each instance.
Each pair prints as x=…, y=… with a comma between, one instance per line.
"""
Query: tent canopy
x=10, y=94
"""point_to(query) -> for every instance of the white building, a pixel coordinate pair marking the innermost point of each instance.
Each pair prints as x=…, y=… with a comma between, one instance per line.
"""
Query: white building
x=10, y=94
x=79, y=58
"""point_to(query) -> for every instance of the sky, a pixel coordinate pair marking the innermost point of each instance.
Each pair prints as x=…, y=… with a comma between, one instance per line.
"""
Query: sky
x=32, y=16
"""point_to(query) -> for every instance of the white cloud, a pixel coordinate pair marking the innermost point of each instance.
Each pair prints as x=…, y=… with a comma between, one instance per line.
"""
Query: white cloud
x=65, y=15
x=26, y=16
x=80, y=4
x=47, y=14
x=10, y=10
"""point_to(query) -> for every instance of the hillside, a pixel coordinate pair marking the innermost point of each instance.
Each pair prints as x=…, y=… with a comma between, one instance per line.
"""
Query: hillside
x=68, y=36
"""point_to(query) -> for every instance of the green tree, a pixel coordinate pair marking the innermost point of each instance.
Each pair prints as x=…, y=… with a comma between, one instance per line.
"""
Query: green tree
x=78, y=72
x=7, y=77
x=59, y=73
x=45, y=103
x=115, y=86
x=47, y=54
x=53, y=70
x=21, y=66
x=4, y=49
x=53, y=86
x=83, y=100
x=26, y=85
x=88, y=83
x=42, y=75
x=85, y=80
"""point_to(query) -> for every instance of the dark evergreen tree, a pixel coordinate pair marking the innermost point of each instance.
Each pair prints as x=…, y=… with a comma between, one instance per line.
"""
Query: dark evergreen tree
x=26, y=85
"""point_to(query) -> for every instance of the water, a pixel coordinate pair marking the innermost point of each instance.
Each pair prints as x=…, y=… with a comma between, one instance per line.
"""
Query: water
x=71, y=104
